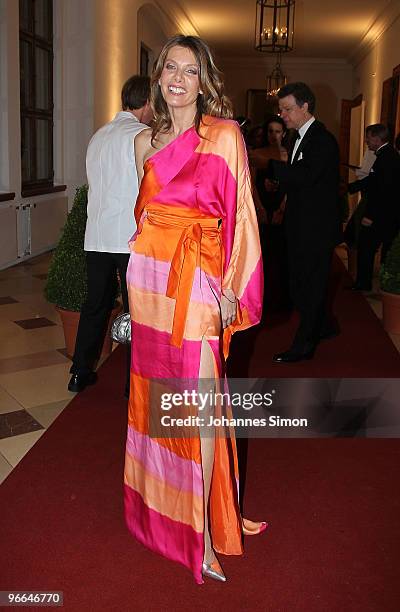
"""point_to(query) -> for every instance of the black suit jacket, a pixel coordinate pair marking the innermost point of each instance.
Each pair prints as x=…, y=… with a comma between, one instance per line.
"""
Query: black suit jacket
x=311, y=182
x=381, y=188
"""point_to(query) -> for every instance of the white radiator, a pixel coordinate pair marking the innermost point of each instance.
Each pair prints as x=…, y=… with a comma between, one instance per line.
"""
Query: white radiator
x=24, y=230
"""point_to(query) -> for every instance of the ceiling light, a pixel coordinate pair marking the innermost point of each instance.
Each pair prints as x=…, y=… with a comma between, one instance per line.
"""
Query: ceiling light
x=274, y=30
x=276, y=79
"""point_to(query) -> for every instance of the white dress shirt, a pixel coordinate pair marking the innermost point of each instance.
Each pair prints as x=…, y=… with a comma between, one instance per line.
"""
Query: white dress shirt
x=366, y=165
x=302, y=131
x=113, y=185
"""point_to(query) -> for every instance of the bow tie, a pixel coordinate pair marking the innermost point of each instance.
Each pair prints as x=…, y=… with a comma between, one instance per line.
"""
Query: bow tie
x=297, y=135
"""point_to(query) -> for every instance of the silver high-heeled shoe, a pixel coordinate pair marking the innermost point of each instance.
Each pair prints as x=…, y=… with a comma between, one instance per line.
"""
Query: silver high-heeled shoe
x=213, y=570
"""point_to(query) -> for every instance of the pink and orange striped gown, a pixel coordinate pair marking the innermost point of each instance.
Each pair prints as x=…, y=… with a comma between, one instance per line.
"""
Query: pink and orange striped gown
x=197, y=235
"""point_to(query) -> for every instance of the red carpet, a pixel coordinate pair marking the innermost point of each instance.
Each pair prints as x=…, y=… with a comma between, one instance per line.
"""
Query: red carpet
x=362, y=350
x=333, y=504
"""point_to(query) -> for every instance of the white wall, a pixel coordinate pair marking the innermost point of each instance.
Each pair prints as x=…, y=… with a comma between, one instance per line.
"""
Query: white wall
x=73, y=90
x=116, y=57
x=10, y=94
x=330, y=80
x=150, y=32
x=119, y=27
x=4, y=162
x=379, y=60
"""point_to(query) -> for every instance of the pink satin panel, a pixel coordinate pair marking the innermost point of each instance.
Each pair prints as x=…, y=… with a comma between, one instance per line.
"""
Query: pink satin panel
x=180, y=473
x=169, y=538
x=157, y=282
x=171, y=361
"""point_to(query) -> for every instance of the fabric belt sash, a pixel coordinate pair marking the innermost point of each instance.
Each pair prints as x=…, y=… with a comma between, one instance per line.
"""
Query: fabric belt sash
x=186, y=258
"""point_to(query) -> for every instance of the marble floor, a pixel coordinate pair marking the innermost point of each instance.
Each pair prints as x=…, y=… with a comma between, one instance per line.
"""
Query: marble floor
x=33, y=365
x=34, y=369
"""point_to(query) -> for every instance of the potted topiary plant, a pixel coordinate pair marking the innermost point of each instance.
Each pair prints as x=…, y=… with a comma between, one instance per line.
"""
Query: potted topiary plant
x=390, y=288
x=66, y=285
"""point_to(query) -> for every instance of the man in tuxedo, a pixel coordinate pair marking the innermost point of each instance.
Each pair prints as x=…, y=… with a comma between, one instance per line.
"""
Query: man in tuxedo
x=312, y=219
x=113, y=188
x=381, y=221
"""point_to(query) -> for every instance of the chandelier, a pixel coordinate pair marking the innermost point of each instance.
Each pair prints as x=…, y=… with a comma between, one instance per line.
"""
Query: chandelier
x=274, y=30
x=276, y=79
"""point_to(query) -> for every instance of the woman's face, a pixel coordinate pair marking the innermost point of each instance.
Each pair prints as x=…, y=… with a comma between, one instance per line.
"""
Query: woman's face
x=179, y=80
x=275, y=133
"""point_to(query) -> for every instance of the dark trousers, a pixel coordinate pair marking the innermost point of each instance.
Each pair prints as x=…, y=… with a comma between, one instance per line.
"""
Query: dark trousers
x=370, y=239
x=275, y=263
x=309, y=275
x=102, y=284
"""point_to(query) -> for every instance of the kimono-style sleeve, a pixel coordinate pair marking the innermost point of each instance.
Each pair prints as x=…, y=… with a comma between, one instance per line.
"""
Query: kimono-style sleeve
x=243, y=266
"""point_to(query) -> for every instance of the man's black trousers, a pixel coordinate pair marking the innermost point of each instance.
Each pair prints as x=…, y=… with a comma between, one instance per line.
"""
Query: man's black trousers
x=102, y=284
x=370, y=239
x=309, y=271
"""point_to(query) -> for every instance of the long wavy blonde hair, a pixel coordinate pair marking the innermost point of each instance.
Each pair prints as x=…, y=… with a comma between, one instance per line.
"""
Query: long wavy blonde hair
x=211, y=102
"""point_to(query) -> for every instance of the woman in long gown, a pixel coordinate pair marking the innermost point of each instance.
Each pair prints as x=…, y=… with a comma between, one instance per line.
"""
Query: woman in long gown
x=270, y=206
x=194, y=278
x=266, y=194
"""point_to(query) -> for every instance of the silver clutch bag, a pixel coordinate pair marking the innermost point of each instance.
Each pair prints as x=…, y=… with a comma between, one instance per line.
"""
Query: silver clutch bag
x=121, y=329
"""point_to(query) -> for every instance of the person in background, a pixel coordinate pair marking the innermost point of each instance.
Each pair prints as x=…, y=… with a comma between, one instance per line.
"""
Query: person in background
x=352, y=230
x=312, y=218
x=381, y=221
x=113, y=188
x=268, y=198
x=270, y=202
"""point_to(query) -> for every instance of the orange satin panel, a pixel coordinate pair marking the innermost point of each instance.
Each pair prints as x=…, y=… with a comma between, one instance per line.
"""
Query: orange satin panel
x=187, y=448
x=148, y=189
x=225, y=520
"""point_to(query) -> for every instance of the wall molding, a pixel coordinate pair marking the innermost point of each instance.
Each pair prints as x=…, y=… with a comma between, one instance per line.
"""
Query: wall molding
x=264, y=62
x=382, y=23
x=177, y=18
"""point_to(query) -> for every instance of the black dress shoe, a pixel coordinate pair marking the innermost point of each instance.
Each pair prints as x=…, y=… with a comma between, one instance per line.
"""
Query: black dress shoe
x=78, y=382
x=292, y=356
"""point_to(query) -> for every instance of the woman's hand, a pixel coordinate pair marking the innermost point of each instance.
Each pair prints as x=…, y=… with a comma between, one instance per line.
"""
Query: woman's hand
x=228, y=307
x=366, y=222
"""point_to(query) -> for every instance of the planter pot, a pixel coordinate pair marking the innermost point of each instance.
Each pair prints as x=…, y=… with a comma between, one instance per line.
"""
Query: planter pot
x=391, y=312
x=70, y=322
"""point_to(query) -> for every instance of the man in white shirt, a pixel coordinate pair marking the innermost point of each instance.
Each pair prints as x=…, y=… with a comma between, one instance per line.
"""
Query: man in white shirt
x=113, y=189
